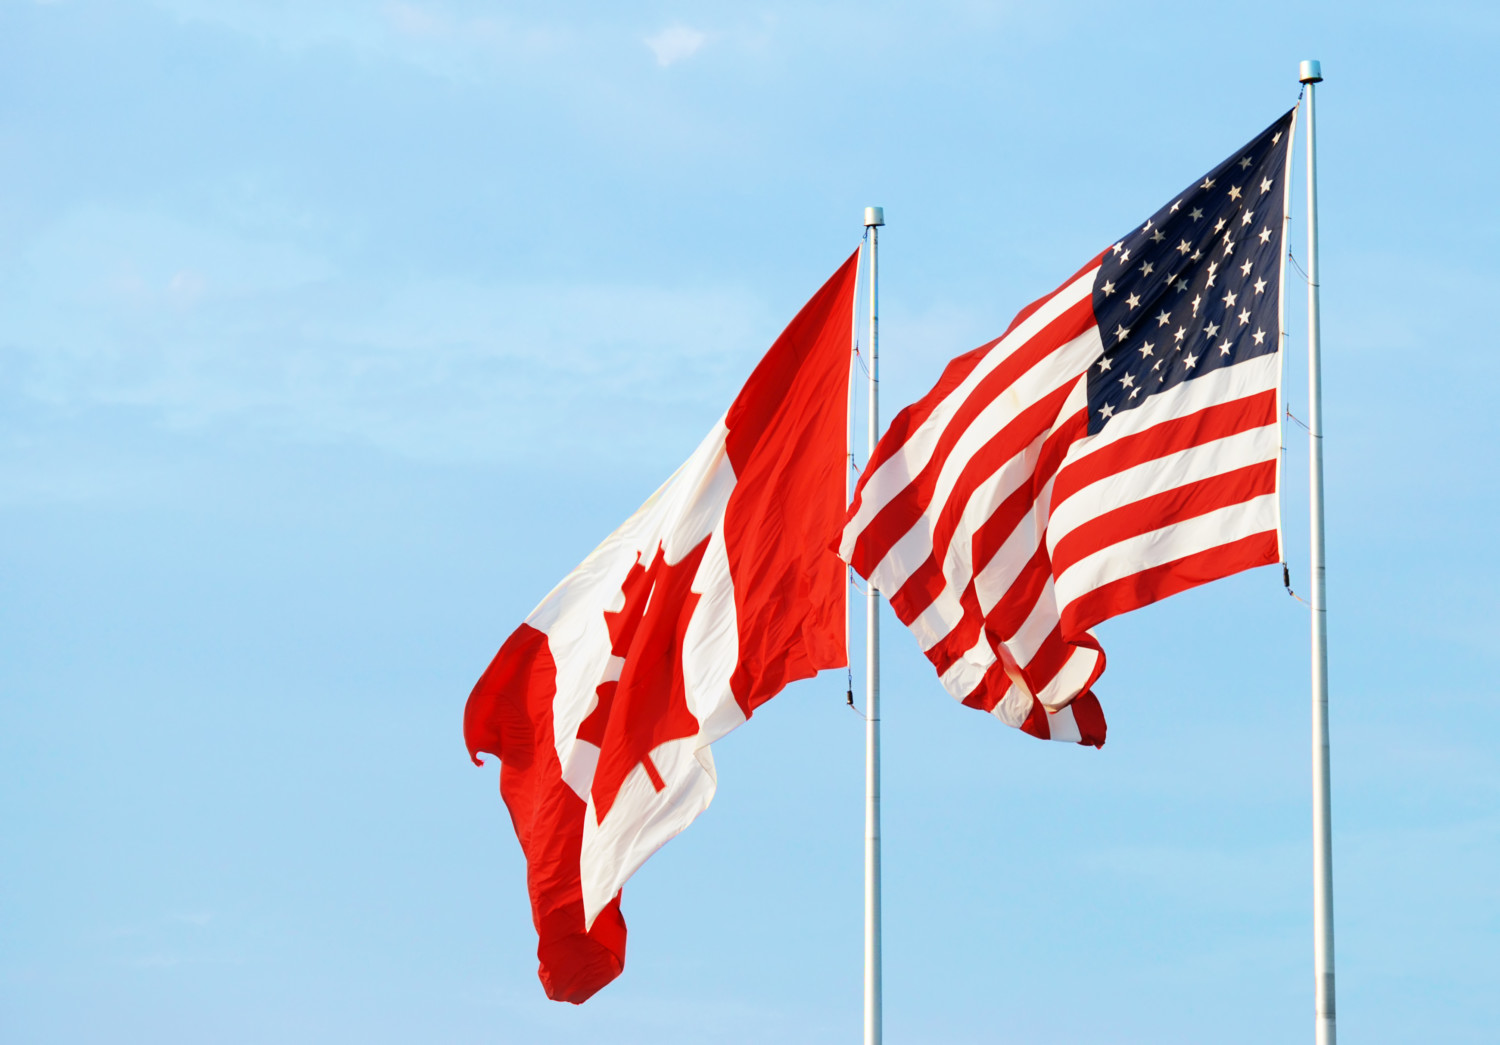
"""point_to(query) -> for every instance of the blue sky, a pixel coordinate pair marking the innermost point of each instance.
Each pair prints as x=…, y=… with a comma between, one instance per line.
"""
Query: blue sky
x=332, y=335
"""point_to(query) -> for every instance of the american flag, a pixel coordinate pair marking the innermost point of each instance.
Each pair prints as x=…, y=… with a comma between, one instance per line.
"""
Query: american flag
x=1119, y=443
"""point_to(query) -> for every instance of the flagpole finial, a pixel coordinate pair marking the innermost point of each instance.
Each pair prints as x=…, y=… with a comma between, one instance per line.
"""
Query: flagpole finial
x=876, y=215
x=1310, y=72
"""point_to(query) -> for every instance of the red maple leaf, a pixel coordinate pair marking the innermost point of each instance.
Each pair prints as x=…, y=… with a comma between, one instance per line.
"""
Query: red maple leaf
x=647, y=706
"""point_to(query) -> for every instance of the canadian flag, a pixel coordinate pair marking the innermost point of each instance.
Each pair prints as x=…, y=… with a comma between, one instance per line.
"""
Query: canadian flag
x=721, y=589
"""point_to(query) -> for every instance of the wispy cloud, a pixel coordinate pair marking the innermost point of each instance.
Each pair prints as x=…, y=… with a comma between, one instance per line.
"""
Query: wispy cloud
x=416, y=20
x=674, y=43
x=442, y=41
x=208, y=333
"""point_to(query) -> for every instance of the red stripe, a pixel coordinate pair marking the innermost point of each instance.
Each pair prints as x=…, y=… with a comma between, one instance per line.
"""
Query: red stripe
x=1169, y=437
x=898, y=516
x=991, y=689
x=1158, y=510
x=1143, y=588
x=1047, y=661
x=1036, y=723
x=1090, y=718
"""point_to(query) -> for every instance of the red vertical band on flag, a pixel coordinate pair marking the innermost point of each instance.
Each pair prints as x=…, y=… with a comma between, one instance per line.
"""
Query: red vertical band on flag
x=787, y=430
x=509, y=714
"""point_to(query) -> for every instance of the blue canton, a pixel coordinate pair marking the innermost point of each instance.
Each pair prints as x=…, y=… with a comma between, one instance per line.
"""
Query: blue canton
x=1197, y=287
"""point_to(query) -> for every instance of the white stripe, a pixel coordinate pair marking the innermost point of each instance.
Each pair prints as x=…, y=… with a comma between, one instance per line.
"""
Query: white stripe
x=1138, y=482
x=1212, y=389
x=966, y=673
x=1165, y=545
x=1014, y=706
x=1063, y=726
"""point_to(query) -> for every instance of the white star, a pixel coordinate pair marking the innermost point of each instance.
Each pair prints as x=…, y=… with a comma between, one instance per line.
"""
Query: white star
x=1103, y=363
x=1107, y=289
x=1163, y=318
x=1260, y=285
x=1133, y=300
x=1195, y=214
x=1219, y=225
x=1197, y=254
x=1174, y=207
x=1134, y=392
x=1244, y=316
x=1245, y=268
x=1265, y=235
x=1229, y=297
x=1127, y=381
x=1211, y=331
x=1116, y=247
x=1197, y=300
x=1146, y=349
x=1234, y=192
x=1260, y=336
x=1213, y=267
x=1181, y=333
x=1208, y=183
x=1106, y=411
x=1223, y=349
x=1275, y=137
x=1247, y=218
x=1158, y=236
x=1184, y=246
x=1190, y=362
x=1147, y=227
x=1121, y=333
x=1265, y=185
x=1181, y=285
x=1228, y=246
x=1147, y=269
x=1244, y=163
x=1156, y=366
x=1124, y=256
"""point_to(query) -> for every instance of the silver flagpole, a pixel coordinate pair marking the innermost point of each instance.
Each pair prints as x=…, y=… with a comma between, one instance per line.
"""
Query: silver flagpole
x=1311, y=74
x=874, y=219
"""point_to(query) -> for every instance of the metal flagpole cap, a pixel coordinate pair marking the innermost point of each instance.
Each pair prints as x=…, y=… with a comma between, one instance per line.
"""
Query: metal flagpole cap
x=1311, y=72
x=876, y=215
